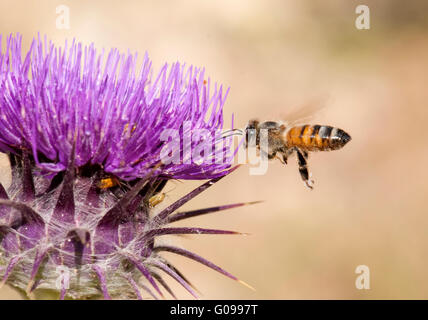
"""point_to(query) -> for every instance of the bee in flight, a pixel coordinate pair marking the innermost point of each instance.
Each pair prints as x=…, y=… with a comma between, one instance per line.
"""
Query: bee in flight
x=285, y=140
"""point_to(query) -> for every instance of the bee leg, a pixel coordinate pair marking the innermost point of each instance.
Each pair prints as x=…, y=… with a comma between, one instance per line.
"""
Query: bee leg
x=283, y=158
x=285, y=154
x=271, y=155
x=303, y=168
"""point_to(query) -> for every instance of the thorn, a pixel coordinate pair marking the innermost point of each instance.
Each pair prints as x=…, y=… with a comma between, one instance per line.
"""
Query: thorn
x=165, y=213
x=27, y=179
x=254, y=202
x=246, y=285
x=62, y=294
x=103, y=282
x=27, y=212
x=81, y=234
x=194, y=213
x=29, y=289
x=3, y=193
x=64, y=210
x=9, y=269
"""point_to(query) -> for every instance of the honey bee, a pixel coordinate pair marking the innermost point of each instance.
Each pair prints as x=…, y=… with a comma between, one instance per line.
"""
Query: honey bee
x=285, y=140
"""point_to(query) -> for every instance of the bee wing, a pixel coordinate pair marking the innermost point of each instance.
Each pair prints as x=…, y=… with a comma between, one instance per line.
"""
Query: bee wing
x=304, y=113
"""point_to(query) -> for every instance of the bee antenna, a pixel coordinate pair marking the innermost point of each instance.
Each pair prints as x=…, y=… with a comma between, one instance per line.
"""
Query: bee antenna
x=233, y=130
x=233, y=133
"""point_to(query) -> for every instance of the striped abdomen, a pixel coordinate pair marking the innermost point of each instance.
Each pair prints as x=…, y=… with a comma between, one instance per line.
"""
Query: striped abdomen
x=316, y=138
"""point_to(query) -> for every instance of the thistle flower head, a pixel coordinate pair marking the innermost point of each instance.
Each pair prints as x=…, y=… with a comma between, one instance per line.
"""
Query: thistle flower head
x=113, y=111
x=72, y=119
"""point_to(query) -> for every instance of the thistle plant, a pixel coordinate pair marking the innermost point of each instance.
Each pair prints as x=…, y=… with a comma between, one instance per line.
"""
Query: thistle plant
x=71, y=120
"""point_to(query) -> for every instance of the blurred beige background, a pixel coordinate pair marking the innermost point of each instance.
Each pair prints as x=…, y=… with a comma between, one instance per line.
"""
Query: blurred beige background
x=369, y=202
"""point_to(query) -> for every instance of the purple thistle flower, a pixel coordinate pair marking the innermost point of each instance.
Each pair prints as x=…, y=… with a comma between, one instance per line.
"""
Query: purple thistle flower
x=114, y=114
x=68, y=121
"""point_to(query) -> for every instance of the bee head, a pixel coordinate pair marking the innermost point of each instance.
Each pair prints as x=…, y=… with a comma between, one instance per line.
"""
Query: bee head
x=252, y=131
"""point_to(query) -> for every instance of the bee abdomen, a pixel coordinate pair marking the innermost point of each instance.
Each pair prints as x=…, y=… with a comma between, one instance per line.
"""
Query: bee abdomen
x=317, y=138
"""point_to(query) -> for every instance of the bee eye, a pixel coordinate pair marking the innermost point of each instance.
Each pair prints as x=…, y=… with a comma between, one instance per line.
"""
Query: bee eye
x=252, y=124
